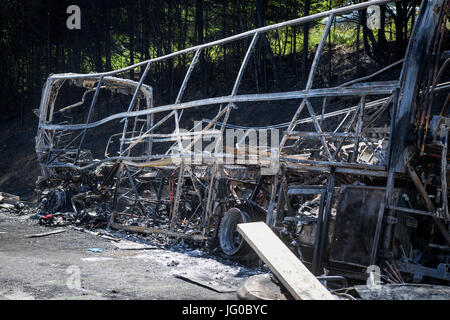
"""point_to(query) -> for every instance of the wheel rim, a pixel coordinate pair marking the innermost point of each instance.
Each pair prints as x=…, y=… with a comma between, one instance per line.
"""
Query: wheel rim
x=231, y=241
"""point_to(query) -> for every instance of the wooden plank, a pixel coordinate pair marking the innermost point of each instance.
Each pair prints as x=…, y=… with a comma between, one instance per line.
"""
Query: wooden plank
x=45, y=233
x=200, y=282
x=157, y=231
x=292, y=273
x=95, y=233
x=8, y=198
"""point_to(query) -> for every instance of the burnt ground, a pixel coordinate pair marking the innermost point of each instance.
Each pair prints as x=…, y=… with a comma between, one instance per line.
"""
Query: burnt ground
x=37, y=268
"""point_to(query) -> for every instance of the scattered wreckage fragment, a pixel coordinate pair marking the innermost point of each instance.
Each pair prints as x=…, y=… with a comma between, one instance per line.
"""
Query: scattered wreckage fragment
x=12, y=203
x=350, y=189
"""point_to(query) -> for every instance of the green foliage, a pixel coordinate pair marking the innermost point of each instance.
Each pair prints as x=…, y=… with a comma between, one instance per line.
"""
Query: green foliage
x=35, y=42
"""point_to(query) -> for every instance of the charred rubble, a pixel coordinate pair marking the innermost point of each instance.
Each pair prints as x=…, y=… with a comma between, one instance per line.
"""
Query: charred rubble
x=346, y=188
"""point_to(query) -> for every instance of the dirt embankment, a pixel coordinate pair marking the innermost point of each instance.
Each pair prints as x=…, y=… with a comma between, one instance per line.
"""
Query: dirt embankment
x=18, y=164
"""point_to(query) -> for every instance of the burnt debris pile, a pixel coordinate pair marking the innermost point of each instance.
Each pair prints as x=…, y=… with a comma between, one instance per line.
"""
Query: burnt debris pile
x=355, y=182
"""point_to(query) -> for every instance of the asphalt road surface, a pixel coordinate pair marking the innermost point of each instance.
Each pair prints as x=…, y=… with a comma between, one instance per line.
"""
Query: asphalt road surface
x=60, y=266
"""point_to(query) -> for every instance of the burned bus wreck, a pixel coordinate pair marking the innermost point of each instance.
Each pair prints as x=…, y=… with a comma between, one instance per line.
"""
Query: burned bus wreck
x=357, y=178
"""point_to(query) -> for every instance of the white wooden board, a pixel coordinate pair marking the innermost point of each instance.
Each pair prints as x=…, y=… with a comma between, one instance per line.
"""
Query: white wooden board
x=292, y=273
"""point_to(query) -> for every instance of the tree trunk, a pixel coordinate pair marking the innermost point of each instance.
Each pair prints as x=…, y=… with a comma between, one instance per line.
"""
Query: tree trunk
x=400, y=23
x=260, y=19
x=199, y=29
x=307, y=6
x=131, y=23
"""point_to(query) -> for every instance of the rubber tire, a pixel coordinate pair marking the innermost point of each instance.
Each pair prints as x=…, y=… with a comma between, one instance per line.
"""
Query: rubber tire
x=230, y=240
